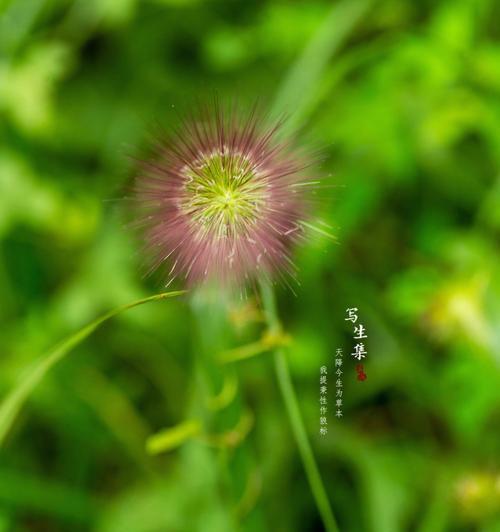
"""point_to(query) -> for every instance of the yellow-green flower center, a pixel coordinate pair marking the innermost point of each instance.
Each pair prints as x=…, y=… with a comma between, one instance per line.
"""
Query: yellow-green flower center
x=223, y=194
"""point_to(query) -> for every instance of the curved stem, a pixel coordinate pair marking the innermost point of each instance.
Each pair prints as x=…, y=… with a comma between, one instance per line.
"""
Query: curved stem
x=12, y=404
x=293, y=411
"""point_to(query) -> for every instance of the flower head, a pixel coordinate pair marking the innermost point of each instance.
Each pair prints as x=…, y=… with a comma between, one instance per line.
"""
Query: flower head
x=222, y=199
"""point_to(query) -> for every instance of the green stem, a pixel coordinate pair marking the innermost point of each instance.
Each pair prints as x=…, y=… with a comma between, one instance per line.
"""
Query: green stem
x=12, y=404
x=293, y=411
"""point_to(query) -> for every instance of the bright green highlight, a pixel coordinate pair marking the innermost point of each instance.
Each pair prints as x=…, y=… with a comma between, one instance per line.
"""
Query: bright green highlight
x=173, y=437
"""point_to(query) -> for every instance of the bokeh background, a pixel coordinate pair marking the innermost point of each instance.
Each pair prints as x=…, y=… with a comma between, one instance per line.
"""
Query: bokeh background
x=404, y=99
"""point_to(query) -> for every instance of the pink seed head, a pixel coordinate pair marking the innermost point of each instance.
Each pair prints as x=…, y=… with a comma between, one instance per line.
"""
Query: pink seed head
x=223, y=199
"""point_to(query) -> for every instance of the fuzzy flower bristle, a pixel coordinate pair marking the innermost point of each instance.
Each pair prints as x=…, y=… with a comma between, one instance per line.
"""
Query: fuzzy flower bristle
x=222, y=199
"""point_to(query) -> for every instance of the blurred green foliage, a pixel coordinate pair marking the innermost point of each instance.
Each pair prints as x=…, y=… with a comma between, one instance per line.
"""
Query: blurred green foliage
x=404, y=99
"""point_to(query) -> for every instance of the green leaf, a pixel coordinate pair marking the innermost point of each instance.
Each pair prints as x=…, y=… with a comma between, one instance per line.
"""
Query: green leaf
x=297, y=88
x=14, y=401
x=269, y=341
x=171, y=438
